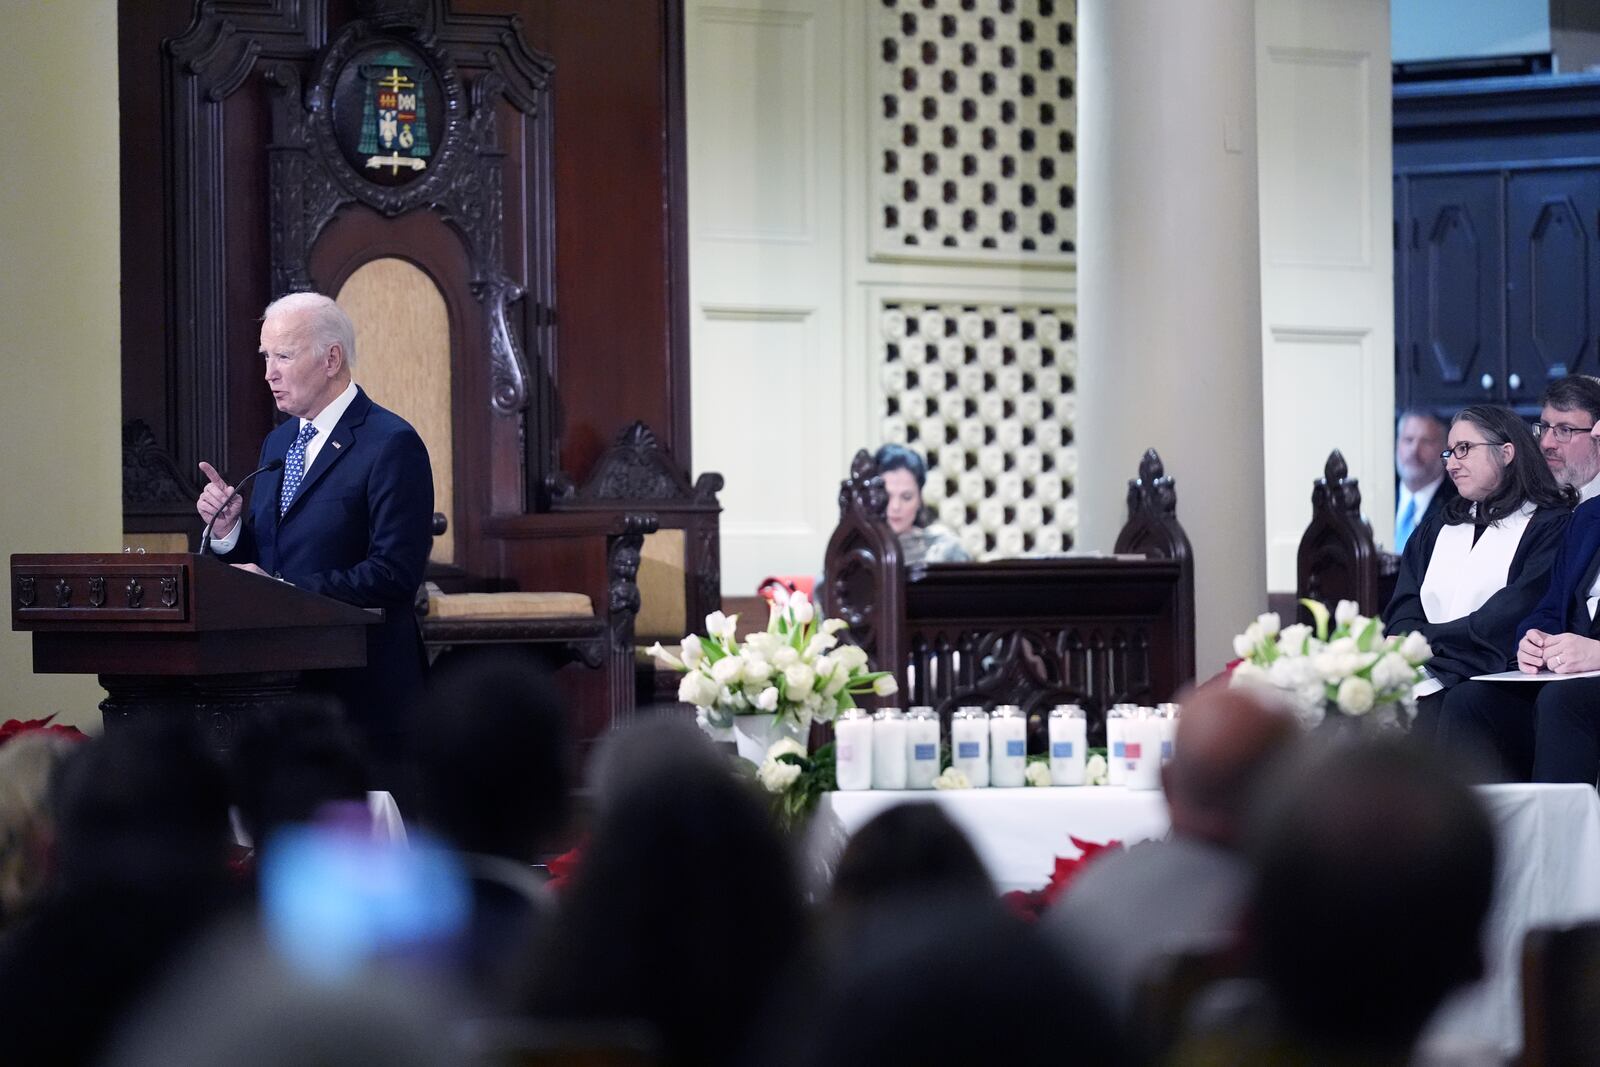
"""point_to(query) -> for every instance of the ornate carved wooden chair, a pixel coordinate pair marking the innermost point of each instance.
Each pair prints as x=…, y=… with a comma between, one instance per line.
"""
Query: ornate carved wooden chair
x=1338, y=558
x=402, y=320
x=680, y=570
x=1033, y=632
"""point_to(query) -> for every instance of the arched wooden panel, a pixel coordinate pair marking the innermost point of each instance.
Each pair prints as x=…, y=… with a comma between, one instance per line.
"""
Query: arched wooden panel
x=403, y=349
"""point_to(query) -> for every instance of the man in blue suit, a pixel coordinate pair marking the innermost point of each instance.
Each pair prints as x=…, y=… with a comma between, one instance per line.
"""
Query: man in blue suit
x=348, y=515
x=1550, y=731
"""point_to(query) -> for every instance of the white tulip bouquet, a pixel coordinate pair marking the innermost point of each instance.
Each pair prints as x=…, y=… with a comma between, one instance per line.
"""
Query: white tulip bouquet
x=1354, y=670
x=795, y=669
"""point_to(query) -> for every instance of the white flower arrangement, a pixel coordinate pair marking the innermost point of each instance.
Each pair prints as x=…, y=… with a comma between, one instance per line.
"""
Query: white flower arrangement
x=778, y=775
x=1354, y=668
x=1038, y=773
x=950, y=778
x=796, y=668
x=1096, y=771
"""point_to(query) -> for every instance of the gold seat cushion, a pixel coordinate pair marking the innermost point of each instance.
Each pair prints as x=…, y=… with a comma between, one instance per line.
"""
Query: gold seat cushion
x=663, y=612
x=508, y=605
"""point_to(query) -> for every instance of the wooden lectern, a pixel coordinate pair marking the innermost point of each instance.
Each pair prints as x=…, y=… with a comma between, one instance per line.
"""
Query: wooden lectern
x=180, y=634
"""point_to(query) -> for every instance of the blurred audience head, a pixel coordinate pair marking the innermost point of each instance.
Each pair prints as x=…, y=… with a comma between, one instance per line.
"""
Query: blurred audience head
x=909, y=850
x=1227, y=741
x=27, y=822
x=954, y=981
x=1375, y=868
x=144, y=807
x=494, y=756
x=233, y=1001
x=684, y=911
x=291, y=763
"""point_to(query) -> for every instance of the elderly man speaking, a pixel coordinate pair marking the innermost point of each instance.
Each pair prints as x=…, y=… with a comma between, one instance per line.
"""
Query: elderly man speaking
x=347, y=512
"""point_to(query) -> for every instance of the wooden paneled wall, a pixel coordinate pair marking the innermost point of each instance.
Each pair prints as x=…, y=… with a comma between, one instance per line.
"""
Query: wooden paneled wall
x=191, y=383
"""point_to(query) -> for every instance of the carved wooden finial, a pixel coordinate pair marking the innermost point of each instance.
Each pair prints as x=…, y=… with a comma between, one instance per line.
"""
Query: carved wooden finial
x=1336, y=490
x=1152, y=490
x=1150, y=467
x=863, y=489
x=638, y=436
x=1336, y=469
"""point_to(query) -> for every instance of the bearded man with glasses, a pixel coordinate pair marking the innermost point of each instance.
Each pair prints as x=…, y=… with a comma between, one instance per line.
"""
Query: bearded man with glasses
x=1571, y=410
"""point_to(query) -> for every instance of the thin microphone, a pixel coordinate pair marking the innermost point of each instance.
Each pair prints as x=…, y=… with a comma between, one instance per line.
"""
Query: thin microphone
x=205, y=535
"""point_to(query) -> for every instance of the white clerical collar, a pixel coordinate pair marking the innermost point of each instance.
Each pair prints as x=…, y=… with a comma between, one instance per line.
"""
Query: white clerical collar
x=329, y=416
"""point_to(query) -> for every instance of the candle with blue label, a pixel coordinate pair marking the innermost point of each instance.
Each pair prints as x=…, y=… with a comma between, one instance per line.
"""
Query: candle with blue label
x=1008, y=747
x=852, y=747
x=922, y=747
x=969, y=745
x=1068, y=744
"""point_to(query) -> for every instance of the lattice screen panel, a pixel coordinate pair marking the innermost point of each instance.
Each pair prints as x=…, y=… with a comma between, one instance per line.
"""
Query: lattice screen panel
x=976, y=121
x=986, y=393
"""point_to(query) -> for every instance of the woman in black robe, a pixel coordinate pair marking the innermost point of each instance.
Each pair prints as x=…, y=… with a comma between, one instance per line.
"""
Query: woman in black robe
x=1471, y=573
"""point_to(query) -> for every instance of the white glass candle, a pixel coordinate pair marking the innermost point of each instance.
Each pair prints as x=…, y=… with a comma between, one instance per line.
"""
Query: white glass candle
x=1142, y=752
x=889, y=749
x=1068, y=742
x=969, y=744
x=1169, y=730
x=1116, y=756
x=1008, y=747
x=852, y=746
x=922, y=747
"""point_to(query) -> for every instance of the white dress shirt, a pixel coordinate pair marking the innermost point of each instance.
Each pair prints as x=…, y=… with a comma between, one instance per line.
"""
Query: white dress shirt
x=325, y=421
x=1423, y=497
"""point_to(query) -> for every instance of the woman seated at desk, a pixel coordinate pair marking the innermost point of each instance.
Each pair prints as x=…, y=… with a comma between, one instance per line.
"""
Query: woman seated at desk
x=904, y=473
x=1471, y=573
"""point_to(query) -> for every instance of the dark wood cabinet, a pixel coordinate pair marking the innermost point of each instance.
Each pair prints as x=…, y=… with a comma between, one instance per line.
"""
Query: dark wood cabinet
x=1497, y=239
x=1552, y=241
x=1455, y=344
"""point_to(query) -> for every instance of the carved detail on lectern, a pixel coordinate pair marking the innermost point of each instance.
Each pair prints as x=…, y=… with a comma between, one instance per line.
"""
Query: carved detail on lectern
x=97, y=592
x=135, y=593
x=169, y=592
x=63, y=592
x=27, y=592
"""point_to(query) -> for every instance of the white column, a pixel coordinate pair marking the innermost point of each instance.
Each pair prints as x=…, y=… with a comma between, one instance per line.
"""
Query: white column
x=1169, y=287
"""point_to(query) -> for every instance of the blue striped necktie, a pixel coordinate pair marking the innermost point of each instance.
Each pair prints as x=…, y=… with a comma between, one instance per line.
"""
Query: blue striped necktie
x=294, y=467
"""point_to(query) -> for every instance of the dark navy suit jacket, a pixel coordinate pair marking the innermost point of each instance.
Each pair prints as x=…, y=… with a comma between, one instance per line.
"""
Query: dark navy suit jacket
x=358, y=530
x=1565, y=607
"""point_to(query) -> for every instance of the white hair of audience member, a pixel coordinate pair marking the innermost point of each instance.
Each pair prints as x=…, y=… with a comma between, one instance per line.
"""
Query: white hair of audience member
x=26, y=822
x=324, y=323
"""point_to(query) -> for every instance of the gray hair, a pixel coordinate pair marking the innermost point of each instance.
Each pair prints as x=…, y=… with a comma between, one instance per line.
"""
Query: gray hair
x=323, y=323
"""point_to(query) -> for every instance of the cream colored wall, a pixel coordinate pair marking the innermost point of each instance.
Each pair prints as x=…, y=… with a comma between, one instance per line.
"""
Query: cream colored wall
x=61, y=407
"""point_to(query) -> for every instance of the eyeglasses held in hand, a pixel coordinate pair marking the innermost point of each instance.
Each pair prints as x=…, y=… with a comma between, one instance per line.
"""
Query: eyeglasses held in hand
x=1562, y=433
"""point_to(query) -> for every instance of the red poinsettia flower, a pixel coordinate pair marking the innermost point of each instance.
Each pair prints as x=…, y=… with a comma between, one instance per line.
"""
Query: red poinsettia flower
x=564, y=867
x=1029, y=904
x=13, y=728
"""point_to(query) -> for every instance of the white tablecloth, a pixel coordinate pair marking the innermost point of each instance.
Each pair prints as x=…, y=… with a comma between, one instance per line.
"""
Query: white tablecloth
x=1018, y=832
x=1549, y=872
